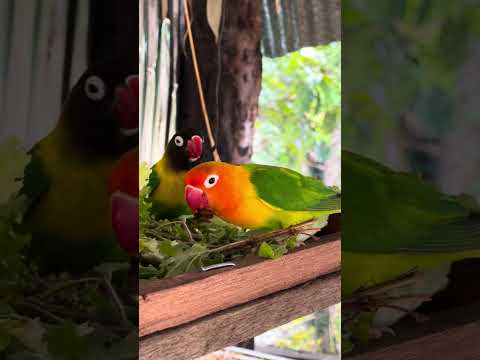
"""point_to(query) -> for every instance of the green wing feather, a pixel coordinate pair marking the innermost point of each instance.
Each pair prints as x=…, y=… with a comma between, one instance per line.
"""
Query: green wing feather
x=289, y=190
x=396, y=212
x=153, y=181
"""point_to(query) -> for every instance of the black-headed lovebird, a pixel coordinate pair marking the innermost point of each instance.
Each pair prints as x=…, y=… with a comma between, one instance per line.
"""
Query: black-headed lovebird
x=166, y=181
x=67, y=178
x=397, y=223
x=259, y=196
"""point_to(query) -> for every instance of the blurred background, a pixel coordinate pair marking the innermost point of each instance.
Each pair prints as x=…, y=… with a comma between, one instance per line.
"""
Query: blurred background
x=411, y=99
x=299, y=112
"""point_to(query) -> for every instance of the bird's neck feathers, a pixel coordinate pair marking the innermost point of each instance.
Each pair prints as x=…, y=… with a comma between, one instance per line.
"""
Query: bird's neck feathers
x=164, y=167
x=63, y=143
x=175, y=161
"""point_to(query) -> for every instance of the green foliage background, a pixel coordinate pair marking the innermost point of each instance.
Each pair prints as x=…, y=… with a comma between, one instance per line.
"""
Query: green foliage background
x=402, y=57
x=300, y=106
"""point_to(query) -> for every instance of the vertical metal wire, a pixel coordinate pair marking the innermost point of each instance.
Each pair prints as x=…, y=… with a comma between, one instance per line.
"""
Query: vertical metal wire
x=162, y=92
x=142, y=71
x=155, y=76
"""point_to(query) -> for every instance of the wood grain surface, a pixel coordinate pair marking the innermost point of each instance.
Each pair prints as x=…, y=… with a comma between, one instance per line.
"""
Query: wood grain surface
x=450, y=334
x=163, y=305
x=242, y=322
x=461, y=342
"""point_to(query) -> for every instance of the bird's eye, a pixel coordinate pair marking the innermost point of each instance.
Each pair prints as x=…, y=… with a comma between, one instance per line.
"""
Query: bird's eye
x=178, y=141
x=211, y=181
x=94, y=88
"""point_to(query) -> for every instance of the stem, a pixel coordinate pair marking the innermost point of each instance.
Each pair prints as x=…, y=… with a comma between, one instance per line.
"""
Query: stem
x=66, y=284
x=293, y=230
x=39, y=309
x=116, y=299
x=184, y=223
x=400, y=281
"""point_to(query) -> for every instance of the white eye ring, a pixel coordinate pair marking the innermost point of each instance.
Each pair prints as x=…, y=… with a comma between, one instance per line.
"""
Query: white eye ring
x=178, y=141
x=210, y=181
x=94, y=88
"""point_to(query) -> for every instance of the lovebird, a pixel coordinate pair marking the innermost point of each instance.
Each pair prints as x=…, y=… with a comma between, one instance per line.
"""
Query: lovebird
x=259, y=196
x=166, y=181
x=397, y=223
x=66, y=181
x=123, y=187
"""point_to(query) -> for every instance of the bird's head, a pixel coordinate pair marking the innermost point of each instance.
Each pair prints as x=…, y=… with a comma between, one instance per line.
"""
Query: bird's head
x=213, y=185
x=123, y=189
x=185, y=149
x=101, y=111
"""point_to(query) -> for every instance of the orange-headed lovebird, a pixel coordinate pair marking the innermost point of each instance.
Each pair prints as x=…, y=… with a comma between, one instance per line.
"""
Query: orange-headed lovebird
x=259, y=196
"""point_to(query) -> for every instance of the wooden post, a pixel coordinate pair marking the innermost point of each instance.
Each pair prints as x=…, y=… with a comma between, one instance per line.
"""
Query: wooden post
x=240, y=78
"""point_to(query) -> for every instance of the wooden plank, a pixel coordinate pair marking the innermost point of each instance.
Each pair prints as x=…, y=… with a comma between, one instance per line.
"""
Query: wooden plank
x=163, y=305
x=451, y=334
x=242, y=322
x=458, y=343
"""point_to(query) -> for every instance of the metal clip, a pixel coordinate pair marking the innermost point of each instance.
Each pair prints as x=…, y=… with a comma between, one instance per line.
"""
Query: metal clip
x=217, y=266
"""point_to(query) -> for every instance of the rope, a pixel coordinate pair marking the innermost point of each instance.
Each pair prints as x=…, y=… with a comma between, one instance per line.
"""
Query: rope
x=211, y=139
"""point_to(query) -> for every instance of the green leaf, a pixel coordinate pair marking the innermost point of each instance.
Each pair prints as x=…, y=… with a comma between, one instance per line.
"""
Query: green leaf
x=64, y=342
x=13, y=160
x=126, y=348
x=279, y=250
x=30, y=334
x=153, y=180
x=167, y=247
x=5, y=339
x=102, y=306
x=291, y=243
x=266, y=251
x=144, y=172
x=148, y=272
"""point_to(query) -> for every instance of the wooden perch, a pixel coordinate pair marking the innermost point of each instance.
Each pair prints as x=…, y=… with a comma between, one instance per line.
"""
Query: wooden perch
x=451, y=334
x=237, y=324
x=167, y=303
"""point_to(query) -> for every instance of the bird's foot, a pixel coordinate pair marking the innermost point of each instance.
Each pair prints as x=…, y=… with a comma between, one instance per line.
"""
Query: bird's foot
x=203, y=215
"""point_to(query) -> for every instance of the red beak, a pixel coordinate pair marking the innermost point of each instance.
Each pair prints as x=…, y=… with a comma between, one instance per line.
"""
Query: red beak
x=195, y=148
x=196, y=198
x=125, y=221
x=126, y=106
